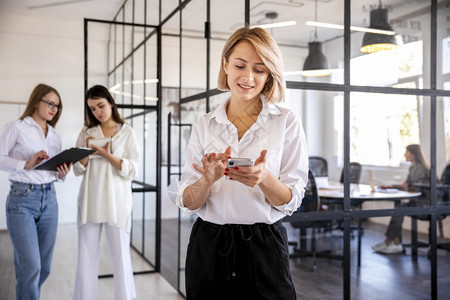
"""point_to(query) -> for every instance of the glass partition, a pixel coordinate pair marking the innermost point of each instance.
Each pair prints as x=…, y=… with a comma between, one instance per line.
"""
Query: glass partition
x=193, y=50
x=167, y=7
x=443, y=45
x=382, y=126
x=222, y=26
x=394, y=52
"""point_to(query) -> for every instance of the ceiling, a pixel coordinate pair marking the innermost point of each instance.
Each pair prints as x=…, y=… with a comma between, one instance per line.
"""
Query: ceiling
x=227, y=15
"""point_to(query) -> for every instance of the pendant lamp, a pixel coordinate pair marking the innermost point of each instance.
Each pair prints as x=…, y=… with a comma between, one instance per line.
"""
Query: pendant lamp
x=316, y=64
x=373, y=42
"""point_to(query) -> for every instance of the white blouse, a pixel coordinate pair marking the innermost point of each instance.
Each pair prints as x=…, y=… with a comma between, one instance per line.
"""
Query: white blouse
x=278, y=131
x=105, y=193
x=19, y=141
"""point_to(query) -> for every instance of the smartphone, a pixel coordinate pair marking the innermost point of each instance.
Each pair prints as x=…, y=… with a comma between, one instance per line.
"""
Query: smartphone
x=236, y=162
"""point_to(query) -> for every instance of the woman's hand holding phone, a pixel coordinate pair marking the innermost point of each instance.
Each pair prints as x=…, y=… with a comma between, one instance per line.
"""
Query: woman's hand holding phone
x=247, y=173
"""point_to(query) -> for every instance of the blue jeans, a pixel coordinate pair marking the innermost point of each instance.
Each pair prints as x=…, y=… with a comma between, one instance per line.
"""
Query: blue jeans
x=32, y=218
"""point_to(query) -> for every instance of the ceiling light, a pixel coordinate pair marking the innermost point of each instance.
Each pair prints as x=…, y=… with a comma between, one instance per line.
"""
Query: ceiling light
x=272, y=15
x=316, y=64
x=354, y=28
x=273, y=25
x=373, y=42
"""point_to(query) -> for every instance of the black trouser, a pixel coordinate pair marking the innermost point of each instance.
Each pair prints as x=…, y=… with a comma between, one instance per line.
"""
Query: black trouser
x=238, y=262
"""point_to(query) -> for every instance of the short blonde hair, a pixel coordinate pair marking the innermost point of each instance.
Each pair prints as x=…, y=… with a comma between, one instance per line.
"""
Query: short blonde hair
x=267, y=49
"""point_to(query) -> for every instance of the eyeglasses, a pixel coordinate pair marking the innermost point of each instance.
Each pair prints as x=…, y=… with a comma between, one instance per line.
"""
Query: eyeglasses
x=51, y=105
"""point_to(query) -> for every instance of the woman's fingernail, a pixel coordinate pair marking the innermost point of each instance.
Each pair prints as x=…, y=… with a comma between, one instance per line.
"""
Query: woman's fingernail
x=214, y=154
x=226, y=173
x=236, y=168
x=231, y=178
x=227, y=169
x=229, y=156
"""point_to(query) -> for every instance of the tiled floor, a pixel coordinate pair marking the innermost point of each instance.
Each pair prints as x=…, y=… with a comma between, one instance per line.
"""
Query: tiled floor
x=60, y=283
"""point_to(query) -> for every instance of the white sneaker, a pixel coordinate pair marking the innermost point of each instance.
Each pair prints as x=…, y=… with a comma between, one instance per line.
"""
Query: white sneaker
x=391, y=249
x=379, y=246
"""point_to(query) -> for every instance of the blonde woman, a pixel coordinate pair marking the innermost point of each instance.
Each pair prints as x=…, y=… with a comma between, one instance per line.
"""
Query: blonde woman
x=31, y=206
x=238, y=245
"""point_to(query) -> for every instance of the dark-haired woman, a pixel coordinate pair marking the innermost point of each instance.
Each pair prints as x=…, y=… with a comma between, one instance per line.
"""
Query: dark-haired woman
x=31, y=206
x=419, y=172
x=105, y=198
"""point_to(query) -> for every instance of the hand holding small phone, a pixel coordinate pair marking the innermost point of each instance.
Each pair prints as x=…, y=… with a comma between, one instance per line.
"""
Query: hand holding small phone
x=234, y=162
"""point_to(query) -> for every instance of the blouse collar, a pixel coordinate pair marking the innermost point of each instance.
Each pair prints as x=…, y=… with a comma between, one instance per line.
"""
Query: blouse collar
x=268, y=108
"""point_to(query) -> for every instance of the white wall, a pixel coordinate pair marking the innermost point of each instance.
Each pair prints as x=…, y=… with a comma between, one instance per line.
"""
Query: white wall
x=35, y=50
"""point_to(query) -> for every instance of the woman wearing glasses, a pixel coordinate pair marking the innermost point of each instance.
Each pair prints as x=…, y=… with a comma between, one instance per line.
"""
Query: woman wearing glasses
x=31, y=206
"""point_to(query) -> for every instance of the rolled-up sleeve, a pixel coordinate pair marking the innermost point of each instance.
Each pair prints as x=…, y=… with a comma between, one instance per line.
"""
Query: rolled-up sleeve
x=131, y=160
x=294, y=165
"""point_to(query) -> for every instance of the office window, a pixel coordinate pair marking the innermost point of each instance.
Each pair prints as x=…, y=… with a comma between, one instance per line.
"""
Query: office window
x=385, y=123
x=381, y=127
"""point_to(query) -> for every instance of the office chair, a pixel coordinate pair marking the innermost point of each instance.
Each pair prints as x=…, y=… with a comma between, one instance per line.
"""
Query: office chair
x=355, y=172
x=318, y=166
x=355, y=175
x=443, y=198
x=310, y=203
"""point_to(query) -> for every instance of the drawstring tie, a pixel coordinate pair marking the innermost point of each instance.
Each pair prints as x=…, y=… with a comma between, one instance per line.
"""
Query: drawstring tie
x=229, y=250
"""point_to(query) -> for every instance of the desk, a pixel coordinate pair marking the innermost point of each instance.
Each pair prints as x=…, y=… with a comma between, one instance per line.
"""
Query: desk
x=333, y=192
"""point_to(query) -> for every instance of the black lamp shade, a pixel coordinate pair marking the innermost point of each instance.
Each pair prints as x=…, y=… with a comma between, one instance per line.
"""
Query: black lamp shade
x=316, y=64
x=373, y=42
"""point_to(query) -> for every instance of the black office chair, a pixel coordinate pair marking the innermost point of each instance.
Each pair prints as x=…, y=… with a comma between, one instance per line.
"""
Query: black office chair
x=310, y=203
x=318, y=166
x=355, y=175
x=355, y=172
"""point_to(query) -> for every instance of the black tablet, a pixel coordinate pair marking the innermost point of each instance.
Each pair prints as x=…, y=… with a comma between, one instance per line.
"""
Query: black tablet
x=67, y=156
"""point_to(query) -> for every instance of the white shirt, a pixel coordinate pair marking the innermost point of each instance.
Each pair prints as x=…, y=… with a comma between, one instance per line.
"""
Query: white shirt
x=20, y=140
x=105, y=193
x=278, y=131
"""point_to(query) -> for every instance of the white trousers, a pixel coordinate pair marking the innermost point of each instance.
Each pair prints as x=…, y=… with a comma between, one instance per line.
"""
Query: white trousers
x=86, y=280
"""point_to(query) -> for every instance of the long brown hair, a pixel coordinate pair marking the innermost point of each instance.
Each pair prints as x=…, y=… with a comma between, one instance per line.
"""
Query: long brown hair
x=419, y=158
x=36, y=95
x=98, y=92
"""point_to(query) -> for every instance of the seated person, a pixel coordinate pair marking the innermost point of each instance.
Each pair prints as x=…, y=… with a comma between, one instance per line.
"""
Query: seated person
x=419, y=171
